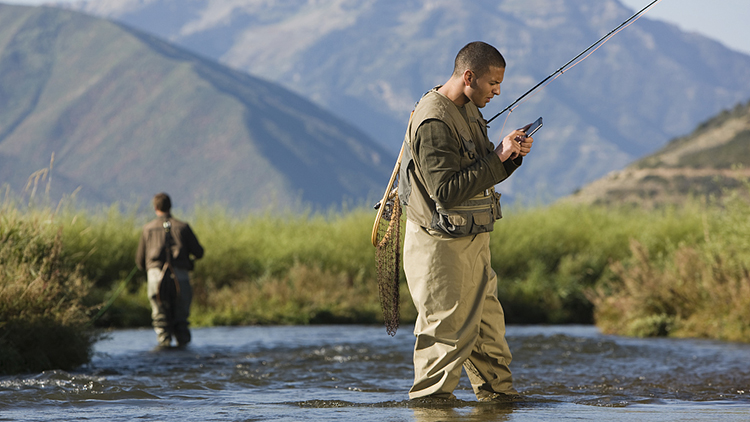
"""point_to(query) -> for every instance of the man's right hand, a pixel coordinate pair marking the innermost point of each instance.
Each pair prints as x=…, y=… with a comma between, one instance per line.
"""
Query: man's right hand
x=510, y=147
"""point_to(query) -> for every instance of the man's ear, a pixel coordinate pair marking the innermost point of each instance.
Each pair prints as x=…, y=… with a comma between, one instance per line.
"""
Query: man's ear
x=468, y=77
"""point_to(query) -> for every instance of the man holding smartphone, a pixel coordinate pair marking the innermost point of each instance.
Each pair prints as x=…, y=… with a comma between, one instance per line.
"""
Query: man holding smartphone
x=447, y=183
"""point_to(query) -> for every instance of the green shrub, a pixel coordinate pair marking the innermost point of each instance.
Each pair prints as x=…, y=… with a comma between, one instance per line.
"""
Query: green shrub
x=44, y=324
x=697, y=289
x=546, y=258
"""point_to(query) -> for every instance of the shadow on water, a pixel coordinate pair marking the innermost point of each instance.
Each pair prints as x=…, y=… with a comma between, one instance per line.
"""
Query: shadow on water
x=356, y=372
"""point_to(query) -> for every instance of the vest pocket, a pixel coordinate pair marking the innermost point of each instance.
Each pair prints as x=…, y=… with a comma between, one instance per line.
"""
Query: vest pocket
x=457, y=219
x=465, y=220
x=497, y=209
x=470, y=149
x=483, y=218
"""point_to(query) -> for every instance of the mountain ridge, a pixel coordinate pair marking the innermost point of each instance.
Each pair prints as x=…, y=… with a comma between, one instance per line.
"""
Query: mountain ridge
x=711, y=162
x=370, y=60
x=128, y=115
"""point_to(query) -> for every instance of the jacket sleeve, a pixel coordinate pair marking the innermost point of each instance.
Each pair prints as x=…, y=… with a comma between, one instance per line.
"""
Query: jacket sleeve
x=140, y=254
x=437, y=156
x=193, y=246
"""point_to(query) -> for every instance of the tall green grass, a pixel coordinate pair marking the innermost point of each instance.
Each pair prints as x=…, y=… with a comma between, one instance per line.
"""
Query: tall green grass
x=548, y=258
x=259, y=269
x=285, y=269
x=695, y=289
x=679, y=271
x=44, y=323
x=551, y=262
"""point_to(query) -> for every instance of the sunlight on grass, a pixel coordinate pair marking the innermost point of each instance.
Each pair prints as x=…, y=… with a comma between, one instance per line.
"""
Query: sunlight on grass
x=678, y=271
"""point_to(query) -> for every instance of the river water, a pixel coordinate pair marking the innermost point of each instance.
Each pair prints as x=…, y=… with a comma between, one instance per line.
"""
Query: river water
x=346, y=373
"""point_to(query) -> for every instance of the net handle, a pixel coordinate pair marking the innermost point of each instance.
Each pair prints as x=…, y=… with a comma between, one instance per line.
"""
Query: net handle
x=389, y=187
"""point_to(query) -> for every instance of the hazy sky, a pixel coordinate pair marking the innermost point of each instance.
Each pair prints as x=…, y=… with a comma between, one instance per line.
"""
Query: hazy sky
x=727, y=21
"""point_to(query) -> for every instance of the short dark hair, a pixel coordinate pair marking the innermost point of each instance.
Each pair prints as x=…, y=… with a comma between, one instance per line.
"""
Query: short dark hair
x=162, y=202
x=477, y=56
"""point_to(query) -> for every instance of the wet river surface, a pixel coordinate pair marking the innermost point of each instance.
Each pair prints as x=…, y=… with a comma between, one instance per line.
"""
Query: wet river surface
x=360, y=373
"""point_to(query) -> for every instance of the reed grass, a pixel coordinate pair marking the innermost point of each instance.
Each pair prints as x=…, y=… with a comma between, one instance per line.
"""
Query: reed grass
x=698, y=289
x=680, y=271
x=44, y=323
x=550, y=260
x=546, y=258
x=282, y=269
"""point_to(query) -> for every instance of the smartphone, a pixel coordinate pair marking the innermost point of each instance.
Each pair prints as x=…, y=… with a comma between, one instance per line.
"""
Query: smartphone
x=534, y=127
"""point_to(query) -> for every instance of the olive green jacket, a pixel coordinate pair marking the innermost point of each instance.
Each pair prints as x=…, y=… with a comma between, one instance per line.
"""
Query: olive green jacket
x=448, y=161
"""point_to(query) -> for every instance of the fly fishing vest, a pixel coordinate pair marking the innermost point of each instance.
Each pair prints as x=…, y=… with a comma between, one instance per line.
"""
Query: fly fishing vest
x=476, y=215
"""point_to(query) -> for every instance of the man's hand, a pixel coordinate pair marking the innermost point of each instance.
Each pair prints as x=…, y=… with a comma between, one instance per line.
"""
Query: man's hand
x=511, y=146
x=525, y=145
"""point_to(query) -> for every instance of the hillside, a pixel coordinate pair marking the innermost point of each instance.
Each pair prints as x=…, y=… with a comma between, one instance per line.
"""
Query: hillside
x=713, y=160
x=369, y=61
x=127, y=115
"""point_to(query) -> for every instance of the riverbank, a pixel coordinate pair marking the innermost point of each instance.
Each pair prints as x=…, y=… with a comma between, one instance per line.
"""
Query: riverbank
x=667, y=272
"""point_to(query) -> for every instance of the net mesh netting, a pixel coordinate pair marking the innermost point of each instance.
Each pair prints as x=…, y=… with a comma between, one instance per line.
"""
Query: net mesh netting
x=388, y=261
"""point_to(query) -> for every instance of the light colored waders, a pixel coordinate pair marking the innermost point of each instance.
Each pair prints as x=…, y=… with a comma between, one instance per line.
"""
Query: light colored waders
x=460, y=321
x=164, y=328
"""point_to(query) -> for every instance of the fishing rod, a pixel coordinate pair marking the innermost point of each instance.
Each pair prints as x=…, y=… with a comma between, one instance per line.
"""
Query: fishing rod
x=561, y=70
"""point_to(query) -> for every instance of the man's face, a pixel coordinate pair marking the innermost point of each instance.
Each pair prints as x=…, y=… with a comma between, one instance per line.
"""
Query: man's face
x=483, y=88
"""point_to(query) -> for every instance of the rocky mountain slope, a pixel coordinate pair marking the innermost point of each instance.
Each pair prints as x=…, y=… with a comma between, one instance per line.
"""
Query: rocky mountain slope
x=709, y=163
x=127, y=115
x=370, y=60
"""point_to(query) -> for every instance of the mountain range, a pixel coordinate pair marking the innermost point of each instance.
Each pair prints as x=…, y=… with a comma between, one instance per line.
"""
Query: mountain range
x=126, y=115
x=369, y=61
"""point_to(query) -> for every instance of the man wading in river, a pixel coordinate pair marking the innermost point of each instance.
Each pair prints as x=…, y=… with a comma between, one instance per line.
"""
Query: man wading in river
x=166, y=251
x=447, y=179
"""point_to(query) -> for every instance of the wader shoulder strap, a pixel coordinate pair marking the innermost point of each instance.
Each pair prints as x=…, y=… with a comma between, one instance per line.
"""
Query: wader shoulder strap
x=168, y=240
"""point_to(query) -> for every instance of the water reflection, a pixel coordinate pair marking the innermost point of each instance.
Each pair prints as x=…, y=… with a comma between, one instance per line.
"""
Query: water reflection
x=479, y=413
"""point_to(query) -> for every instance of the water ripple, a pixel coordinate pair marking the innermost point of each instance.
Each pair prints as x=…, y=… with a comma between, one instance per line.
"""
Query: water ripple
x=247, y=372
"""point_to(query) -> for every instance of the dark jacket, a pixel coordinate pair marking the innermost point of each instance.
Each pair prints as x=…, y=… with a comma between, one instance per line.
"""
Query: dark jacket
x=151, y=250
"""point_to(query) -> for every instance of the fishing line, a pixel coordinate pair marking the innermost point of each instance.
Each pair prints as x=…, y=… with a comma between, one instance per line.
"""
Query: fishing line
x=567, y=66
x=114, y=296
